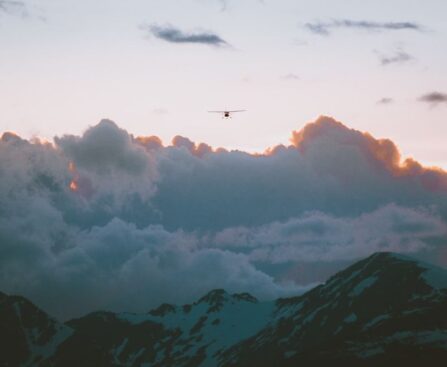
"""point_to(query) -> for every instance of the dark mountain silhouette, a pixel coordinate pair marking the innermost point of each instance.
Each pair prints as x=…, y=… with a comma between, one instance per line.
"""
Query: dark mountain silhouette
x=385, y=310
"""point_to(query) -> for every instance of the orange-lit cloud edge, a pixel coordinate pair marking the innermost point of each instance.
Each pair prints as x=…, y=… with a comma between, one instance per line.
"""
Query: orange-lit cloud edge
x=384, y=151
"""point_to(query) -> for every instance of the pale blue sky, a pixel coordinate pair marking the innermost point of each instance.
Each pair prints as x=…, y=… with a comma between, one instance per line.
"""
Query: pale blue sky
x=68, y=63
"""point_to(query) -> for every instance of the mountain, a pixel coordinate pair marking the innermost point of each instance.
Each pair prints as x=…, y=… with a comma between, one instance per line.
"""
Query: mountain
x=27, y=334
x=384, y=310
x=169, y=335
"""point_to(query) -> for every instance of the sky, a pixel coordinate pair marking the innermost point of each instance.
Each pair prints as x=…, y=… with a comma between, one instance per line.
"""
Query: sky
x=156, y=67
x=119, y=191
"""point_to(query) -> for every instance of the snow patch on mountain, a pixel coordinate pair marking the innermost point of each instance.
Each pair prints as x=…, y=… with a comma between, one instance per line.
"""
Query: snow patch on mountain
x=363, y=285
x=216, y=322
x=436, y=277
x=375, y=321
x=351, y=318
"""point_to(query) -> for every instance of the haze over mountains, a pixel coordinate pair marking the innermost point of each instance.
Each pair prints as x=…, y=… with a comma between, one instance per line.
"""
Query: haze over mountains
x=385, y=310
x=108, y=220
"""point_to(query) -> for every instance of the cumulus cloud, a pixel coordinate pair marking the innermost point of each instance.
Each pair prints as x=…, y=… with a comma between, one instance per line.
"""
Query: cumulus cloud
x=175, y=35
x=118, y=266
x=195, y=149
x=434, y=98
x=108, y=220
x=325, y=28
x=106, y=161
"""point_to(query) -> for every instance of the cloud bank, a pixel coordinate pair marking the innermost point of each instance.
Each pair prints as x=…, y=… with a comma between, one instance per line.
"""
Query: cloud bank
x=108, y=220
x=325, y=28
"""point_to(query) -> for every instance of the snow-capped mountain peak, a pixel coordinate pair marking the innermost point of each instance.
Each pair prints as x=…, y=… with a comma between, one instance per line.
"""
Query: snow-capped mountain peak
x=384, y=310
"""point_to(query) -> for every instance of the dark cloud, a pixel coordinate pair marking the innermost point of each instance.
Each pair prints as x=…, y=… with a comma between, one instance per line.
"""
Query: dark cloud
x=398, y=57
x=109, y=164
x=325, y=28
x=13, y=7
x=385, y=101
x=175, y=35
x=434, y=98
x=107, y=220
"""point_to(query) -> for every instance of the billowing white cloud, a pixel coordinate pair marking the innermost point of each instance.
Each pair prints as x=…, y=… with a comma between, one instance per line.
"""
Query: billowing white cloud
x=112, y=221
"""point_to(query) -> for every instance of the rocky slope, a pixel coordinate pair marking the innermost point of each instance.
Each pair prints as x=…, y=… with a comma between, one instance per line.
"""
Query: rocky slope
x=27, y=334
x=383, y=310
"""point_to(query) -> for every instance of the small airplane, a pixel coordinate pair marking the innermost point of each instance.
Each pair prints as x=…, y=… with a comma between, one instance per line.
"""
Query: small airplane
x=227, y=114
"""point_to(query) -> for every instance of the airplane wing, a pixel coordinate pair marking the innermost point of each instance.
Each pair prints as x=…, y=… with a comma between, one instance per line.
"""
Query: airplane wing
x=237, y=111
x=217, y=111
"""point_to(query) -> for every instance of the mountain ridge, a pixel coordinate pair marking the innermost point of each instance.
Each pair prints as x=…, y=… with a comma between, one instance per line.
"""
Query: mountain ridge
x=381, y=309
